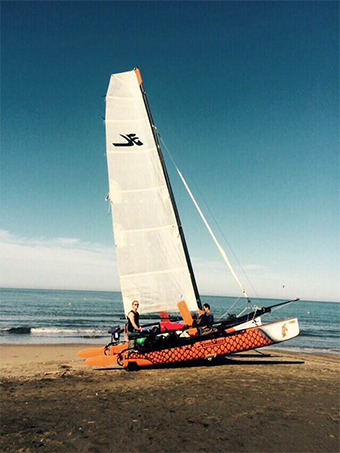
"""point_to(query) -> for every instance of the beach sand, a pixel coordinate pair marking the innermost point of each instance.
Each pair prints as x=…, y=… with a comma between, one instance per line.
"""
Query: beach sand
x=277, y=402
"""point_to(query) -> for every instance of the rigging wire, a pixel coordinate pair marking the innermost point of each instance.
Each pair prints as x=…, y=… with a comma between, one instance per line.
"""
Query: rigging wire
x=229, y=309
x=213, y=217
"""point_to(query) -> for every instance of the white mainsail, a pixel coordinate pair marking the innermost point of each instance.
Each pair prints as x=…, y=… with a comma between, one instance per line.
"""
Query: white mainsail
x=152, y=264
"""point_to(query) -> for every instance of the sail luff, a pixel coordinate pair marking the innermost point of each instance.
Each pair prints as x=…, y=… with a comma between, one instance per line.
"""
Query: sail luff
x=167, y=179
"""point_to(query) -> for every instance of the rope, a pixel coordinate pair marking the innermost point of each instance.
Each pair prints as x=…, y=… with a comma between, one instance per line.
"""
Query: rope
x=227, y=312
x=214, y=219
x=221, y=250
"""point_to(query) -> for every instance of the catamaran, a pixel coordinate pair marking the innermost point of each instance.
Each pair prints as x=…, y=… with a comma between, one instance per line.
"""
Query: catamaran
x=153, y=259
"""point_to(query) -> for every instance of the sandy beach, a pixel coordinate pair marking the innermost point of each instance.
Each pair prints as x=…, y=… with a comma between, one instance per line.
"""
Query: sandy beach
x=277, y=402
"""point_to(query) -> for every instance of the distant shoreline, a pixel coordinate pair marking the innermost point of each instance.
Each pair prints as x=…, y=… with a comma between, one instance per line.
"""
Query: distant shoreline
x=74, y=317
x=119, y=292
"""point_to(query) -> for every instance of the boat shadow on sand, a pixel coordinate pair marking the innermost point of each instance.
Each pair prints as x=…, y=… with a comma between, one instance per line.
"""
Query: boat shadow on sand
x=236, y=359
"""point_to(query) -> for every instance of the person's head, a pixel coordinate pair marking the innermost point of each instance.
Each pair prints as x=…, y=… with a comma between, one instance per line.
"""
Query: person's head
x=206, y=308
x=135, y=305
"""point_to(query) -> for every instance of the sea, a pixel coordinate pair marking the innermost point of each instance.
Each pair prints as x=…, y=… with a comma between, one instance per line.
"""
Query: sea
x=37, y=316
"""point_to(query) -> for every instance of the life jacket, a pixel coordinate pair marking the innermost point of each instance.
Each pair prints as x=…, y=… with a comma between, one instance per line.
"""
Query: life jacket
x=129, y=327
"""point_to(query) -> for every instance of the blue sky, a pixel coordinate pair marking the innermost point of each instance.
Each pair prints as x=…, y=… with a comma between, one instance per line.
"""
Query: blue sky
x=246, y=98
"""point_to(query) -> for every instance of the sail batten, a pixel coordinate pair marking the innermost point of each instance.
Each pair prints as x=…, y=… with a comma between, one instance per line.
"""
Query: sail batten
x=152, y=260
x=144, y=190
x=126, y=121
x=142, y=230
x=135, y=151
x=166, y=271
x=118, y=97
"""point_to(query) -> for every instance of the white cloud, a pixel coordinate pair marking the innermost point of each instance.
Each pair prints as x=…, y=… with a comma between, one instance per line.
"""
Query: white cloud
x=214, y=278
x=285, y=282
x=69, y=263
x=65, y=263
x=254, y=267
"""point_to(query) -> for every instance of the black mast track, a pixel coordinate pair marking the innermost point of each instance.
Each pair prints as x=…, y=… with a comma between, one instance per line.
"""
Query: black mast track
x=178, y=220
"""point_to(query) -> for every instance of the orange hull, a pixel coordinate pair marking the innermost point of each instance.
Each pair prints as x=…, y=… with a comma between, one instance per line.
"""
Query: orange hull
x=233, y=341
x=95, y=352
x=239, y=341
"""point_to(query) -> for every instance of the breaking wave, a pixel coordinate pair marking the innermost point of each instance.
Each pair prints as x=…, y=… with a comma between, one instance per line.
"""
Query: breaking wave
x=16, y=331
x=54, y=331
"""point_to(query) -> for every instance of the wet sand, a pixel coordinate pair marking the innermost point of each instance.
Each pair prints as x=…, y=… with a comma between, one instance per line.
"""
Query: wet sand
x=277, y=402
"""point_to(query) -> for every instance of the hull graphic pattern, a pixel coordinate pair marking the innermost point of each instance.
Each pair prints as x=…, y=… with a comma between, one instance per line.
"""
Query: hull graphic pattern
x=243, y=341
x=217, y=346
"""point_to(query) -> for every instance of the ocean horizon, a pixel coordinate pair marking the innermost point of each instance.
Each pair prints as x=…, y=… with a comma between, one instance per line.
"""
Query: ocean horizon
x=45, y=316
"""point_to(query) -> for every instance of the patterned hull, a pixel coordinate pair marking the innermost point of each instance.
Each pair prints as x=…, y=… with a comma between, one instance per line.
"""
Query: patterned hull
x=244, y=340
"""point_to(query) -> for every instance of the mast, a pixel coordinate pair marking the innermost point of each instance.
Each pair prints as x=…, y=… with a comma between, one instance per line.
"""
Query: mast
x=172, y=198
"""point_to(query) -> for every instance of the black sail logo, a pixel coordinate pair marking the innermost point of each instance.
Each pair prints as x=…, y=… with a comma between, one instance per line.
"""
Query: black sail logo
x=131, y=139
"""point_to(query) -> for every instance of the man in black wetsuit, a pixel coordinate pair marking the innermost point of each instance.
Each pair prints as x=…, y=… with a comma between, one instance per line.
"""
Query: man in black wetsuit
x=207, y=318
x=133, y=323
